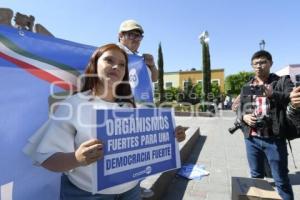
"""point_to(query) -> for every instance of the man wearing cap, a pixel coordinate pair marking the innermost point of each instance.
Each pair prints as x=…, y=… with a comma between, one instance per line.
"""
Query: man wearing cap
x=130, y=37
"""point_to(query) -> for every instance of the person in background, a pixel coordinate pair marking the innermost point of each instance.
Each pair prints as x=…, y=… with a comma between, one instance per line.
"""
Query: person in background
x=260, y=117
x=66, y=142
x=235, y=103
x=130, y=36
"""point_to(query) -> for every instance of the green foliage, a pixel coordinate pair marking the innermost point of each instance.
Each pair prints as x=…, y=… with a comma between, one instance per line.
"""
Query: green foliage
x=198, y=90
x=235, y=82
x=171, y=94
x=215, y=90
x=188, y=87
x=191, y=94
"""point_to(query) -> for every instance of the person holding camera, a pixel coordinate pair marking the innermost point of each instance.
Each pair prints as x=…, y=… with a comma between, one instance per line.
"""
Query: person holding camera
x=263, y=102
x=130, y=37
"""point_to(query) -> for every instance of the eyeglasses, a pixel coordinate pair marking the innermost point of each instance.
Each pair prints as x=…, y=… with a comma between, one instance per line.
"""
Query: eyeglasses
x=262, y=62
x=134, y=36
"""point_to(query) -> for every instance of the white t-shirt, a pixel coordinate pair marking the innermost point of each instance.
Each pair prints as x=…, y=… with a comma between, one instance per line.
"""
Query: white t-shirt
x=65, y=131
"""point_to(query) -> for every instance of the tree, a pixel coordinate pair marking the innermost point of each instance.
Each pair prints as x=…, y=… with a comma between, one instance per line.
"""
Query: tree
x=197, y=89
x=235, y=82
x=171, y=93
x=188, y=90
x=215, y=90
x=160, y=63
x=206, y=65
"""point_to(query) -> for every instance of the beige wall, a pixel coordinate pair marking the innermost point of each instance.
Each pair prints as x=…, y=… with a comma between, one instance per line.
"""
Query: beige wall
x=218, y=74
x=195, y=76
x=178, y=78
x=172, y=77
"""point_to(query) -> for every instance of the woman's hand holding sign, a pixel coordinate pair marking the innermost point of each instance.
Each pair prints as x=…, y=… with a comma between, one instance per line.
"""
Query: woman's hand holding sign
x=89, y=152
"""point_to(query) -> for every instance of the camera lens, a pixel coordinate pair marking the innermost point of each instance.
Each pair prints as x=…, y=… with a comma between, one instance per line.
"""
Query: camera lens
x=260, y=124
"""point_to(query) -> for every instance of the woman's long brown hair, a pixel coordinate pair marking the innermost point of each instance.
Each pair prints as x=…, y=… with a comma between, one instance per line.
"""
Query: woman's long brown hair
x=91, y=81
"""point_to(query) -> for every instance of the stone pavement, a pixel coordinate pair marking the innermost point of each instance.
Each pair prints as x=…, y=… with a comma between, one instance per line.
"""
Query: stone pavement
x=224, y=156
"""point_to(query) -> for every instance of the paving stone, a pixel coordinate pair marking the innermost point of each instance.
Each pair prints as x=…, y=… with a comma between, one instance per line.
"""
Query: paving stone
x=218, y=196
x=224, y=156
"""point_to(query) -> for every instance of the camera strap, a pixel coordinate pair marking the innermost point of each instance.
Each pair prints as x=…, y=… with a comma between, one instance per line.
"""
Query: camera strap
x=289, y=142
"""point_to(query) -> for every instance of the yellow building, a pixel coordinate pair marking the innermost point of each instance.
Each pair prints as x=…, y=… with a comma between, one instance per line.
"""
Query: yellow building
x=178, y=79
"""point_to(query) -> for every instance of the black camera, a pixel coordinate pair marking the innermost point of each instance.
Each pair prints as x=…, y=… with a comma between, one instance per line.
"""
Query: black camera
x=236, y=126
x=297, y=78
x=260, y=123
x=251, y=90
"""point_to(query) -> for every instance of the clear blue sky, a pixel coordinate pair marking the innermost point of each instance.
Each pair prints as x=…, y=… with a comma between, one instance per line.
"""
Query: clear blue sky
x=235, y=26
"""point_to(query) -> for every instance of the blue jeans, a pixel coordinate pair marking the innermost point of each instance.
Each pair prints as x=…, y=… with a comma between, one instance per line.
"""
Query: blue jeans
x=275, y=150
x=69, y=191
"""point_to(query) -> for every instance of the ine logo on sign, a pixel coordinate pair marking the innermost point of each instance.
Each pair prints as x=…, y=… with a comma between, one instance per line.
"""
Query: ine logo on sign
x=133, y=78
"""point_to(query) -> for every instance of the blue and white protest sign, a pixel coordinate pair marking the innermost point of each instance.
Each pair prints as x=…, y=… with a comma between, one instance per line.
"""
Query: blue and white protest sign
x=137, y=143
x=140, y=82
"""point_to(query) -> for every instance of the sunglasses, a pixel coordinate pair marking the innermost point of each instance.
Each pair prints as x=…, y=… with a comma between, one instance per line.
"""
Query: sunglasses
x=263, y=62
x=134, y=36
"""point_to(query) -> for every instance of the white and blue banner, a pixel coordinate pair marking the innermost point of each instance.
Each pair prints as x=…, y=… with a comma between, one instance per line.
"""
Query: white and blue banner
x=32, y=67
x=139, y=79
x=137, y=143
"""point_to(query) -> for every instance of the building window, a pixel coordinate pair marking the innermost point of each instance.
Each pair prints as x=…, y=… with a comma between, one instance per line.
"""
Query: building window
x=217, y=81
x=168, y=84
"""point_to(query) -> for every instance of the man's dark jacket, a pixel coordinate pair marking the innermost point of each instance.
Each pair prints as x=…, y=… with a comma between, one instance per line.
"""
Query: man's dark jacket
x=282, y=86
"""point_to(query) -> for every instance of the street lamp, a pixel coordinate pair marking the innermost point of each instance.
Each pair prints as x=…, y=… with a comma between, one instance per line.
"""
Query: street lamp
x=262, y=45
x=204, y=37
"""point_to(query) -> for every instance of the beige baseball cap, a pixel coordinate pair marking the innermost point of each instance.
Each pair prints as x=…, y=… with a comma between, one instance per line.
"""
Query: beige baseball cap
x=129, y=25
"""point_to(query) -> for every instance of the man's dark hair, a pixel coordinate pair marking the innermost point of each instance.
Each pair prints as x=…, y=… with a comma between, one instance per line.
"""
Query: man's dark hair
x=262, y=53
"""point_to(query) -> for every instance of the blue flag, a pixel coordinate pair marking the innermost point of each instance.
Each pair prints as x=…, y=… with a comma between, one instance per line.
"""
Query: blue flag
x=140, y=82
x=29, y=65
